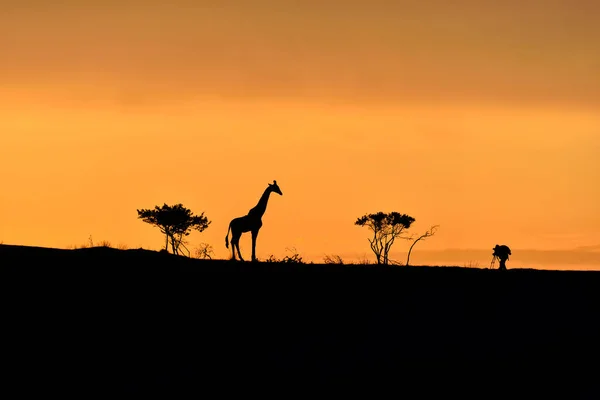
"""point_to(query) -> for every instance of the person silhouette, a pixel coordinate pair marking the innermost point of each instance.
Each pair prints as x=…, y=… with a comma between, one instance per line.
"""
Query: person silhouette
x=501, y=252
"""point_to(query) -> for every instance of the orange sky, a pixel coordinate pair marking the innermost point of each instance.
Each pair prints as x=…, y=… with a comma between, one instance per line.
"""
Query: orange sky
x=482, y=117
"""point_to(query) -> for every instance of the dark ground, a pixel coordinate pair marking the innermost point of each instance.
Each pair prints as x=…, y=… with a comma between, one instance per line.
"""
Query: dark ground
x=127, y=321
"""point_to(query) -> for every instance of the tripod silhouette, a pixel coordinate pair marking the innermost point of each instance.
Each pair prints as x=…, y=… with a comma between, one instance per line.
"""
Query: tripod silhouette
x=501, y=252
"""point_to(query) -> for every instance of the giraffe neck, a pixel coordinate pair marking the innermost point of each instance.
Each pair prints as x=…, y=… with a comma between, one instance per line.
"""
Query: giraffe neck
x=261, y=207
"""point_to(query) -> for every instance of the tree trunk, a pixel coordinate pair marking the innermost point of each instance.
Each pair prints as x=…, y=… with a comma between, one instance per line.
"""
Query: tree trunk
x=409, y=250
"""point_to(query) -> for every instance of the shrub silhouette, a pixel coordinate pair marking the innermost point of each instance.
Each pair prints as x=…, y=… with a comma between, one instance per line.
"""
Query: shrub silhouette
x=295, y=258
x=175, y=222
x=204, y=251
x=333, y=259
x=386, y=227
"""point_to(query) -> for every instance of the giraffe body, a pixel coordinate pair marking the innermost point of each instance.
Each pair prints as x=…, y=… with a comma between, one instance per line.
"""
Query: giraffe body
x=252, y=222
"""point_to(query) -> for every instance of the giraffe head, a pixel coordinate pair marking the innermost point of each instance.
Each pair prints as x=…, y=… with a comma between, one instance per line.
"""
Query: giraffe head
x=275, y=188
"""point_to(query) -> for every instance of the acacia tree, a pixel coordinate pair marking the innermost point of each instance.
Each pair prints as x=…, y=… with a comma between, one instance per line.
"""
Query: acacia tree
x=424, y=236
x=386, y=227
x=175, y=222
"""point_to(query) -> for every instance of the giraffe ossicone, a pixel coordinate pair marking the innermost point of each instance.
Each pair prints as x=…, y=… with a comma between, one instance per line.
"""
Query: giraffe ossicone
x=252, y=222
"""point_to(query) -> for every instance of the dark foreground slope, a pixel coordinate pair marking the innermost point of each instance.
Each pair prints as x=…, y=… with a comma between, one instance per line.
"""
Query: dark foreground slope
x=137, y=320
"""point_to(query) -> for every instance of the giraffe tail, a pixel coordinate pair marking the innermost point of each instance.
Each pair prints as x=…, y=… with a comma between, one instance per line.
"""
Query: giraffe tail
x=227, y=237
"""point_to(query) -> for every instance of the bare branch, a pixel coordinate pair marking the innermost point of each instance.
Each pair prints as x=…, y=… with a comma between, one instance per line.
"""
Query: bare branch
x=427, y=234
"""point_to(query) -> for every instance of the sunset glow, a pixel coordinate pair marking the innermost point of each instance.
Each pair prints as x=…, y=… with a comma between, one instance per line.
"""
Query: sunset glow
x=480, y=117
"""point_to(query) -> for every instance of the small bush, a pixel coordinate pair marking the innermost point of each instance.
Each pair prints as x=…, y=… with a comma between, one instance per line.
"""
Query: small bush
x=333, y=259
x=294, y=258
x=204, y=251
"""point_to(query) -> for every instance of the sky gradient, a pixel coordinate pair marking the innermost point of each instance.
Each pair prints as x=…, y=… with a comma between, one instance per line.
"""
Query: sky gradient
x=482, y=117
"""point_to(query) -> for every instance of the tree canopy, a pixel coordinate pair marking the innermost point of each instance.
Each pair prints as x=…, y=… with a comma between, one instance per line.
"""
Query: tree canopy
x=386, y=227
x=175, y=222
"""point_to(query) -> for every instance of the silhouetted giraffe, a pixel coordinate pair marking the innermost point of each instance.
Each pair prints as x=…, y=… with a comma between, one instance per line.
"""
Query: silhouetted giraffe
x=249, y=223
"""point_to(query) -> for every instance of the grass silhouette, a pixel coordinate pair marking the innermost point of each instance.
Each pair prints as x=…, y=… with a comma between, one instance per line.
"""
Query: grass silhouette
x=140, y=320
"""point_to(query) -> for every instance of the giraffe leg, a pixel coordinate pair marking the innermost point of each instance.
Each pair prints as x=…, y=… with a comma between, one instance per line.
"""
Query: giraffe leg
x=254, y=236
x=237, y=245
x=233, y=243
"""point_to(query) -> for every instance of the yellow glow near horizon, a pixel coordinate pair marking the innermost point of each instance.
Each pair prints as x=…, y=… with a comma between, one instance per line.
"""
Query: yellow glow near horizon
x=484, y=121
